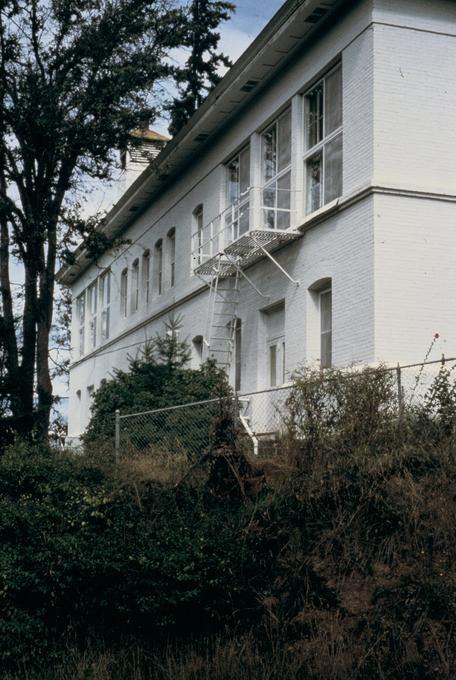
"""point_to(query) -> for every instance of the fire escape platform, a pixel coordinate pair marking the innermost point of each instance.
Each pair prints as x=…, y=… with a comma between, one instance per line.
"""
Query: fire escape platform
x=245, y=250
x=248, y=247
x=216, y=265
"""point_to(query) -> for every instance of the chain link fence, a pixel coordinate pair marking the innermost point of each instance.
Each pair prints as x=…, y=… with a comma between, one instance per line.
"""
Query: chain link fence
x=259, y=417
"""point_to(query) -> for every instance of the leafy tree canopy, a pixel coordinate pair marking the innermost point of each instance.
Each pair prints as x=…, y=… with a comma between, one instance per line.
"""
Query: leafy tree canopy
x=76, y=76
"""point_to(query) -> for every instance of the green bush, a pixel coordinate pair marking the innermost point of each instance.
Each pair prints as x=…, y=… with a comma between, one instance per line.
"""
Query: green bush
x=156, y=379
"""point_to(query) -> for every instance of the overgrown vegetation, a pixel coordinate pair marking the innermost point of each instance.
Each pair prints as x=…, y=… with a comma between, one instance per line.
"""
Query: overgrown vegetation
x=334, y=559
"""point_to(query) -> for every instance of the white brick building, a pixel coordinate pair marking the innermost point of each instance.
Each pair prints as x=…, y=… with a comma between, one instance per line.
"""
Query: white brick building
x=335, y=134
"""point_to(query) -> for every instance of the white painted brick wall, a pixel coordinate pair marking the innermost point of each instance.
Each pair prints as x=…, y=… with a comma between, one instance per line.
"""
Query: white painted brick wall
x=391, y=258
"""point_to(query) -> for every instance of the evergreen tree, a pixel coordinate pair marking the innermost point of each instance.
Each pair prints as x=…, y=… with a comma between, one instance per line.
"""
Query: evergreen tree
x=200, y=74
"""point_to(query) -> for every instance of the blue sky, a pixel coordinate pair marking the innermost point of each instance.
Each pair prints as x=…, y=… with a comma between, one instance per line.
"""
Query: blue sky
x=251, y=15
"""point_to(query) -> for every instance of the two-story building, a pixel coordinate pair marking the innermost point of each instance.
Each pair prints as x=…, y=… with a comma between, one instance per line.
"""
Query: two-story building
x=307, y=211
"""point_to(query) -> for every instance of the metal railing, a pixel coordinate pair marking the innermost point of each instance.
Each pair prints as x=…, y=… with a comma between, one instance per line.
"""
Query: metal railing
x=259, y=416
x=258, y=208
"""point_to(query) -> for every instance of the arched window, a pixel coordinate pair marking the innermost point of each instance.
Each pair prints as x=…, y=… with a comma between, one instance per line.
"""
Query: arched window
x=158, y=267
x=171, y=256
x=135, y=286
x=321, y=293
x=198, y=235
x=124, y=293
x=197, y=345
x=146, y=276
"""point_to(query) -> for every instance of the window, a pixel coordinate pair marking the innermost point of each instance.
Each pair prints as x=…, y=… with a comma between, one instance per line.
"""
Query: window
x=276, y=151
x=198, y=236
x=92, y=307
x=124, y=293
x=105, y=303
x=326, y=328
x=237, y=355
x=146, y=276
x=135, y=286
x=158, y=268
x=172, y=256
x=80, y=312
x=237, y=195
x=323, y=134
x=197, y=343
x=90, y=391
x=275, y=338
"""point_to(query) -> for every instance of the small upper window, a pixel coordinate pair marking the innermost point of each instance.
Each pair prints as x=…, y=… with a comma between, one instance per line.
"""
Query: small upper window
x=105, y=303
x=124, y=293
x=135, y=285
x=146, y=275
x=80, y=311
x=237, y=195
x=323, y=134
x=92, y=306
x=172, y=256
x=198, y=236
x=158, y=268
x=276, y=145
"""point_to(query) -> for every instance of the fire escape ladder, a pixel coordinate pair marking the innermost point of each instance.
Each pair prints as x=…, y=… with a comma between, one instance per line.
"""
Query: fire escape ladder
x=221, y=320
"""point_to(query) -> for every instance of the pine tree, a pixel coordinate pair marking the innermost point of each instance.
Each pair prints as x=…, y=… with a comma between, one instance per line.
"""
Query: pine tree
x=200, y=74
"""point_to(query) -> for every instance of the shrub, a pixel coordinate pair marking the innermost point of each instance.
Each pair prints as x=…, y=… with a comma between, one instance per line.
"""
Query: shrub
x=156, y=379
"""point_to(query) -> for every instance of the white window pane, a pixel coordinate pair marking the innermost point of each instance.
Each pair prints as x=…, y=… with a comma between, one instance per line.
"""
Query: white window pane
x=273, y=365
x=326, y=311
x=326, y=328
x=314, y=116
x=326, y=350
x=314, y=180
x=244, y=218
x=233, y=181
x=244, y=171
x=333, y=101
x=333, y=169
x=270, y=153
x=283, y=201
x=284, y=141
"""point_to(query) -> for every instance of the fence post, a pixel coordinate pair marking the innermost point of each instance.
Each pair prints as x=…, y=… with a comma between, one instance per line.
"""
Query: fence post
x=117, y=435
x=400, y=394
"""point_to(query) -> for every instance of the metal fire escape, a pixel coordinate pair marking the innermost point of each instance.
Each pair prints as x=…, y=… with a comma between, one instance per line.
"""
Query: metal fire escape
x=220, y=262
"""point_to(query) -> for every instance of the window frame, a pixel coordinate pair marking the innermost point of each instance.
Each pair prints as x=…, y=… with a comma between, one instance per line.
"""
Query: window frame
x=272, y=183
x=124, y=292
x=171, y=250
x=92, y=308
x=104, y=293
x=81, y=319
x=135, y=285
x=145, y=276
x=236, y=209
x=318, y=149
x=158, y=268
x=327, y=331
